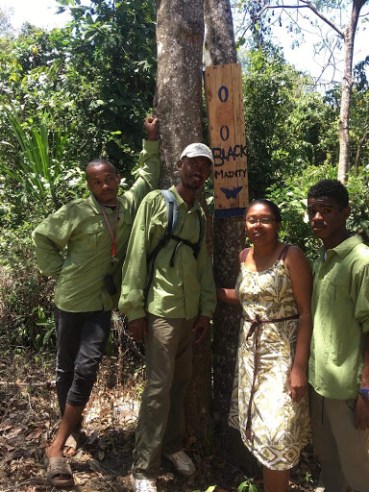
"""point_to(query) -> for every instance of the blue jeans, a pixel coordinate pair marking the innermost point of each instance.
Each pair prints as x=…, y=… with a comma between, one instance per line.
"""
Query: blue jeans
x=81, y=340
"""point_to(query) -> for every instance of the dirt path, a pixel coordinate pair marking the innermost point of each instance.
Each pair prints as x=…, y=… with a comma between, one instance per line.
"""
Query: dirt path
x=29, y=415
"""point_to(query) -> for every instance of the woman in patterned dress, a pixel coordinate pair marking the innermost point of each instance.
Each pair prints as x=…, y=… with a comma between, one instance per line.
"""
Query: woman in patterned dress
x=274, y=288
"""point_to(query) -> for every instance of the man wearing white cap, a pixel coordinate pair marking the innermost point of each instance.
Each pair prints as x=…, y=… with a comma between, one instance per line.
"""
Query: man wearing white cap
x=169, y=300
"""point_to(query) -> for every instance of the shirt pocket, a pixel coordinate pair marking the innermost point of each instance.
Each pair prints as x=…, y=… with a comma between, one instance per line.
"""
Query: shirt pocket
x=343, y=335
x=333, y=288
x=91, y=238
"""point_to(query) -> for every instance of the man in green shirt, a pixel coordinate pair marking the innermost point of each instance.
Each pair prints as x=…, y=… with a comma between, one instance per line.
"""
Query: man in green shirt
x=82, y=246
x=167, y=301
x=339, y=359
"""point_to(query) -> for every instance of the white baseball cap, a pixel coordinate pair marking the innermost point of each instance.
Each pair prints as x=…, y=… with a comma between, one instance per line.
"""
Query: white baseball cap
x=198, y=150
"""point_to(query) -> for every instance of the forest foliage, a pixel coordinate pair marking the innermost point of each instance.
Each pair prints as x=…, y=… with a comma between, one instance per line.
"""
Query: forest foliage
x=73, y=94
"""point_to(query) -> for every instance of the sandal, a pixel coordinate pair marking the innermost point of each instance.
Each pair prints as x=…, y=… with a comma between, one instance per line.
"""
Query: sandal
x=59, y=472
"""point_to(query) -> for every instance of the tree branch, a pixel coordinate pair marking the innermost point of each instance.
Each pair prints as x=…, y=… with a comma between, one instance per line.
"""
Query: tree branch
x=313, y=9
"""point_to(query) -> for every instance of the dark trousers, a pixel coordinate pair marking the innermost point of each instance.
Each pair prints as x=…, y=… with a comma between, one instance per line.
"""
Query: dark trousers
x=81, y=340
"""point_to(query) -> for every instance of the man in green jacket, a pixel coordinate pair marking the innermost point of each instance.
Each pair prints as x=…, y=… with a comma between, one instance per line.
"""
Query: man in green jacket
x=82, y=246
x=339, y=357
x=168, y=301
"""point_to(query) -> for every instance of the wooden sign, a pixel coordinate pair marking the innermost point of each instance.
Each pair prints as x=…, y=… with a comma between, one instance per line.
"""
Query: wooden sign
x=223, y=88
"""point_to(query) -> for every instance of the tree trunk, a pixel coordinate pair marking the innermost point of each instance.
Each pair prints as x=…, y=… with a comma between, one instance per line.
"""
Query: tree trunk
x=360, y=146
x=229, y=240
x=219, y=42
x=180, y=38
x=180, y=35
x=344, y=122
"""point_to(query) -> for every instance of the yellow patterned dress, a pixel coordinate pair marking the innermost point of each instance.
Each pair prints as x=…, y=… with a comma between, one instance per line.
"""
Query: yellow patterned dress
x=272, y=426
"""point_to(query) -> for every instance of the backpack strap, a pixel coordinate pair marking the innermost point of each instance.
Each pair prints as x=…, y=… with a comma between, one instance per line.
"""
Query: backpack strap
x=194, y=246
x=172, y=209
x=172, y=213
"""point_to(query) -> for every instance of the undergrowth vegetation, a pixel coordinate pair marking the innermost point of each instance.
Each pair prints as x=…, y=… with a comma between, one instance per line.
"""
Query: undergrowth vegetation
x=74, y=94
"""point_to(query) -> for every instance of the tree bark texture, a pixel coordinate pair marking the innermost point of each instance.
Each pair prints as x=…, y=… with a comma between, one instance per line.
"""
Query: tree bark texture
x=219, y=41
x=180, y=39
x=229, y=240
x=180, y=36
x=344, y=122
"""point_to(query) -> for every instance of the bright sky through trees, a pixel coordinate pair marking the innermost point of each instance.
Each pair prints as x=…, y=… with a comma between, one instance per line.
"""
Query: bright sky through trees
x=38, y=12
x=43, y=13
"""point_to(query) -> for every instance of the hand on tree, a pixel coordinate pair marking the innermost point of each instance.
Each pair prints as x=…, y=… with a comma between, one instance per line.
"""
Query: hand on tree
x=151, y=125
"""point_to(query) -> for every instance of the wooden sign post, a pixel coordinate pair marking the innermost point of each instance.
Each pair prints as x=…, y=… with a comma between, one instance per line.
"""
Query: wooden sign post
x=223, y=88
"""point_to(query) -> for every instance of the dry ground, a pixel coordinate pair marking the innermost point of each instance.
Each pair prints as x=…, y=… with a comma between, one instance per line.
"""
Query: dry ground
x=29, y=416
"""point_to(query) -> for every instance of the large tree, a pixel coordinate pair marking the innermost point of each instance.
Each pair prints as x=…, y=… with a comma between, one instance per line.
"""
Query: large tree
x=180, y=37
x=229, y=240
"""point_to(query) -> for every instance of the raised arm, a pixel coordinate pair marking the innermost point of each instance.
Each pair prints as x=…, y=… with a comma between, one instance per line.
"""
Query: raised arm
x=149, y=171
x=135, y=272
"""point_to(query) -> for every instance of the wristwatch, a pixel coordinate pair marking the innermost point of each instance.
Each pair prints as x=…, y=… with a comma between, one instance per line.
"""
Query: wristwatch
x=364, y=392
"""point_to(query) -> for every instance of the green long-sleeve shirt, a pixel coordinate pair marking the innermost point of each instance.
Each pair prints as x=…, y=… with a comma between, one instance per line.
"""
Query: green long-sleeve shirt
x=340, y=307
x=184, y=290
x=73, y=244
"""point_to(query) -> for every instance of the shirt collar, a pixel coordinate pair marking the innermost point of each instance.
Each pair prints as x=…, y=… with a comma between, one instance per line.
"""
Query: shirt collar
x=344, y=248
x=95, y=205
x=181, y=202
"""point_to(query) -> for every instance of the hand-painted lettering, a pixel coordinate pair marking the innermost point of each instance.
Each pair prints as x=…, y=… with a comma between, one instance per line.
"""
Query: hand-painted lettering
x=223, y=93
x=224, y=133
x=232, y=153
x=238, y=173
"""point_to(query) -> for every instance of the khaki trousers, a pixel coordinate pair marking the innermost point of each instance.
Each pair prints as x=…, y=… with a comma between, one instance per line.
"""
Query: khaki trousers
x=341, y=449
x=161, y=425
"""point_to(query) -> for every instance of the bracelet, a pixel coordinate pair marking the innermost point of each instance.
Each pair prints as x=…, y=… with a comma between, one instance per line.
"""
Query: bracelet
x=364, y=392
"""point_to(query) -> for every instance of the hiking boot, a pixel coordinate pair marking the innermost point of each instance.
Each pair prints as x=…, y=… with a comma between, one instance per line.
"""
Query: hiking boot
x=140, y=483
x=182, y=462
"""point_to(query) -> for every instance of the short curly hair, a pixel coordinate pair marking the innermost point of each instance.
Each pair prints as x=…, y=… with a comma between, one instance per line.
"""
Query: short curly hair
x=98, y=162
x=331, y=188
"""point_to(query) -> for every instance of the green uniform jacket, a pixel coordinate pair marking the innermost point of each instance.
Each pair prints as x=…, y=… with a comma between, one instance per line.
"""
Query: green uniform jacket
x=184, y=290
x=73, y=244
x=340, y=307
